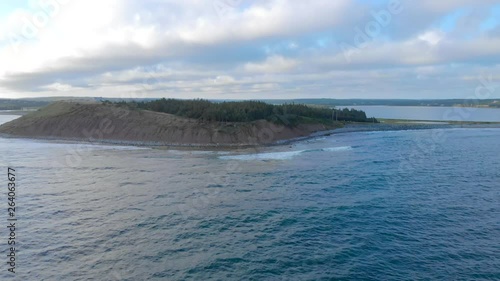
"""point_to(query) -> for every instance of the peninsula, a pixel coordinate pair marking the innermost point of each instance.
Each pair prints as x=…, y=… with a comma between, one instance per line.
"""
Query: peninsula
x=178, y=122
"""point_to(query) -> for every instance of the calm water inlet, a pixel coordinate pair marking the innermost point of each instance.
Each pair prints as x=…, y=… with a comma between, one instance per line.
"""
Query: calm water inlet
x=432, y=113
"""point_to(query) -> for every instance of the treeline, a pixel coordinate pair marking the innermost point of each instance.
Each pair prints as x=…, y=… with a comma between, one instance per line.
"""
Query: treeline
x=13, y=104
x=395, y=102
x=246, y=111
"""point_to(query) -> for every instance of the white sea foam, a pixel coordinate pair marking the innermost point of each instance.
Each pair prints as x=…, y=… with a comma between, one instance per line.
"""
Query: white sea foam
x=264, y=156
x=340, y=148
x=284, y=155
x=118, y=147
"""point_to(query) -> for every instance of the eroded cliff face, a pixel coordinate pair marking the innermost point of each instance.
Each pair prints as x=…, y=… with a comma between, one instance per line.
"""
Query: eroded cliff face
x=99, y=122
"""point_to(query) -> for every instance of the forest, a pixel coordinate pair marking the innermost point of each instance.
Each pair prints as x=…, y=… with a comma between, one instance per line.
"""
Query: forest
x=247, y=111
x=19, y=104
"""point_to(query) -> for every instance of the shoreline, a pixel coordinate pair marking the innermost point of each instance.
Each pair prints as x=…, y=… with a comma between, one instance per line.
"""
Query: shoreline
x=390, y=127
x=15, y=112
x=348, y=128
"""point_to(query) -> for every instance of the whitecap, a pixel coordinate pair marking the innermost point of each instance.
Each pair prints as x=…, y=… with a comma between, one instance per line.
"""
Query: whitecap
x=285, y=155
x=340, y=148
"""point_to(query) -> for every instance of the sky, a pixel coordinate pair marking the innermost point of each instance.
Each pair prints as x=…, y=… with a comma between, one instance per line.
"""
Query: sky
x=262, y=49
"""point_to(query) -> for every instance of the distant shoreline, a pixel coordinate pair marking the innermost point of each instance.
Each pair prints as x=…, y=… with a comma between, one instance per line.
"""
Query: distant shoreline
x=14, y=112
x=408, y=105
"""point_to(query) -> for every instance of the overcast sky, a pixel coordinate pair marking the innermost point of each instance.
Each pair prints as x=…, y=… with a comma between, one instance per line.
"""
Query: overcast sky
x=237, y=49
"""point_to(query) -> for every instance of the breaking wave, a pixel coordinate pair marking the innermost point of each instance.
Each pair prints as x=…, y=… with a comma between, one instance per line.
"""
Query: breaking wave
x=285, y=155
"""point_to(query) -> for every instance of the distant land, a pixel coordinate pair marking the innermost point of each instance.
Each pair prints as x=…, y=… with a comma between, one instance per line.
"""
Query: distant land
x=30, y=103
x=177, y=122
x=495, y=103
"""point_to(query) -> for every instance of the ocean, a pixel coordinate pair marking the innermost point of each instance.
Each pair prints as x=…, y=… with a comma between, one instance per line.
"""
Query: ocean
x=441, y=113
x=391, y=205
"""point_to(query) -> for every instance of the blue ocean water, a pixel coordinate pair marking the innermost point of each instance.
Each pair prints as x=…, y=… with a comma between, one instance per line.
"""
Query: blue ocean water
x=433, y=113
x=400, y=205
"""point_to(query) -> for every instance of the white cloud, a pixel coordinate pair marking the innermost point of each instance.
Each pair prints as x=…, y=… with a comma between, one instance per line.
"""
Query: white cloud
x=163, y=48
x=431, y=37
x=447, y=5
x=59, y=87
x=224, y=79
x=274, y=64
